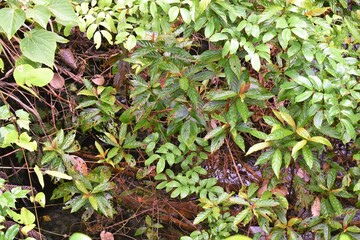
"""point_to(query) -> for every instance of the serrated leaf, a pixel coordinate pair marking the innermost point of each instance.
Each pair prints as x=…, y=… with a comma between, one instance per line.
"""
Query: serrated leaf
x=321, y=140
x=189, y=132
x=276, y=162
x=336, y=204
x=279, y=134
x=241, y=216
x=258, y=146
x=12, y=20
x=214, y=132
x=298, y=146
x=202, y=216
x=39, y=46
x=308, y=156
x=223, y=95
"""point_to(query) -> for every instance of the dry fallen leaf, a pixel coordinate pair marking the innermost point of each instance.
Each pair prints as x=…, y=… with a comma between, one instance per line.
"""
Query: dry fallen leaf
x=68, y=57
x=106, y=235
x=316, y=207
x=98, y=79
x=303, y=174
x=57, y=81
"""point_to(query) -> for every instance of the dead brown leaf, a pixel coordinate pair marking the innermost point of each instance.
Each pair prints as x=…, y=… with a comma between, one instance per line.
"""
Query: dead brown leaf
x=316, y=207
x=57, y=81
x=106, y=235
x=98, y=79
x=68, y=57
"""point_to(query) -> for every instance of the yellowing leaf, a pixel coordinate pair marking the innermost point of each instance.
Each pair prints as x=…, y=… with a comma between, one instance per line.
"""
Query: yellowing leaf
x=303, y=133
x=297, y=147
x=321, y=140
x=287, y=117
x=316, y=11
x=258, y=146
x=58, y=174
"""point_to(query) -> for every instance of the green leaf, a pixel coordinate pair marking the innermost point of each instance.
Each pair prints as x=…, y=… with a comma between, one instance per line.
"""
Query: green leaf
x=336, y=204
x=303, y=96
x=302, y=132
x=279, y=133
x=4, y=112
x=26, y=74
x=214, y=132
x=184, y=83
x=258, y=146
x=354, y=30
x=41, y=199
x=173, y=13
x=349, y=128
x=39, y=46
x=27, y=216
x=321, y=140
x=235, y=65
x=40, y=14
x=217, y=142
x=308, y=156
x=241, y=216
x=160, y=166
x=276, y=162
x=189, y=132
x=218, y=37
x=318, y=119
x=11, y=20
x=202, y=216
x=223, y=95
x=11, y=232
x=255, y=62
x=288, y=119
x=58, y=174
x=284, y=38
x=63, y=11
x=79, y=236
x=39, y=176
x=24, y=142
x=185, y=14
x=130, y=42
x=298, y=146
x=238, y=237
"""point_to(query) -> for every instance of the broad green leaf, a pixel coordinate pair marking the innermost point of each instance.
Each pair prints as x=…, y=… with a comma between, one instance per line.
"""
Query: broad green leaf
x=217, y=142
x=79, y=236
x=63, y=11
x=26, y=74
x=184, y=83
x=243, y=110
x=258, y=146
x=25, y=142
x=238, y=237
x=238, y=139
x=39, y=46
x=241, y=216
x=58, y=174
x=11, y=20
x=189, y=132
x=41, y=199
x=284, y=38
x=173, y=13
x=308, y=156
x=4, y=112
x=303, y=133
x=214, y=132
x=39, y=176
x=11, y=232
x=222, y=95
x=40, y=14
x=276, y=162
x=160, y=166
x=287, y=117
x=218, y=37
x=185, y=14
x=93, y=202
x=349, y=128
x=279, y=134
x=255, y=62
x=298, y=146
x=235, y=65
x=300, y=32
x=303, y=96
x=354, y=30
x=27, y=216
x=321, y=140
x=269, y=35
x=336, y=204
x=202, y=216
